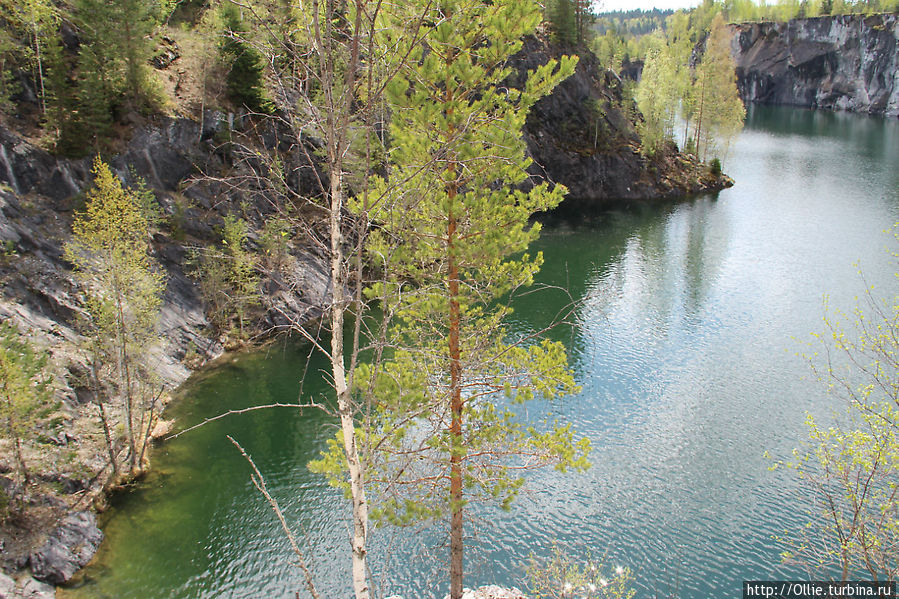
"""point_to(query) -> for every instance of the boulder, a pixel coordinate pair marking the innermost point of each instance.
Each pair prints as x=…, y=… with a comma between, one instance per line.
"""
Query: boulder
x=29, y=588
x=69, y=548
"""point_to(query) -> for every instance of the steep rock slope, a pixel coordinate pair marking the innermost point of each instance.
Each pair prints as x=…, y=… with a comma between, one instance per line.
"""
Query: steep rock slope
x=583, y=135
x=844, y=62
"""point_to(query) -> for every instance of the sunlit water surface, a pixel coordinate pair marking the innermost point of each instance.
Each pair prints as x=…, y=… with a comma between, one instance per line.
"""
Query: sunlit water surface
x=691, y=318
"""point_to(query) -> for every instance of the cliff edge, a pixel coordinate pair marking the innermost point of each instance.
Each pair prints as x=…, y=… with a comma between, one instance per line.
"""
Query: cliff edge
x=843, y=62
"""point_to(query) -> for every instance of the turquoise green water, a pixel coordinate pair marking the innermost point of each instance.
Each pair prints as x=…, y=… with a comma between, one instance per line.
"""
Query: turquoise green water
x=689, y=318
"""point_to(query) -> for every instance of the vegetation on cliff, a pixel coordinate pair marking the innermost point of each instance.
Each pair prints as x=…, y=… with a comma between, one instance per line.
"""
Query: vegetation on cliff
x=257, y=186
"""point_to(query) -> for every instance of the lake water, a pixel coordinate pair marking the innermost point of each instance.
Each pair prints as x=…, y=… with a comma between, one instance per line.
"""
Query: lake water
x=691, y=318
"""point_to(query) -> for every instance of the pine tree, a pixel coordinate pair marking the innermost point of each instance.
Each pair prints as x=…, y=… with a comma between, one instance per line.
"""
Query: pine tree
x=449, y=218
x=109, y=249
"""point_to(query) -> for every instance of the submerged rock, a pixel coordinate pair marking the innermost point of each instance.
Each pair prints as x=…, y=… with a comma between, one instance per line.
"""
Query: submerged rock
x=68, y=549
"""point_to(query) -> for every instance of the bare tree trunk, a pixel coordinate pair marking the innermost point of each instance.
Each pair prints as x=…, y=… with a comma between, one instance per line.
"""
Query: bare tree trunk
x=39, y=58
x=337, y=125
x=699, y=119
x=345, y=406
x=104, y=420
x=456, y=520
x=110, y=446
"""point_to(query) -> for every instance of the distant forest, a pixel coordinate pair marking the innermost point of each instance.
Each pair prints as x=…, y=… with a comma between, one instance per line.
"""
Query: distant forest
x=632, y=22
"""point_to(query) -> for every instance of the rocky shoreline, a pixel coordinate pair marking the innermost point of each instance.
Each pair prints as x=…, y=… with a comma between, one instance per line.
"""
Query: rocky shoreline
x=187, y=164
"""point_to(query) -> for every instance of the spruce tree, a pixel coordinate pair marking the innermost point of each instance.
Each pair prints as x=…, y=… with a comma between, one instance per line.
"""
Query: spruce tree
x=245, y=81
x=114, y=74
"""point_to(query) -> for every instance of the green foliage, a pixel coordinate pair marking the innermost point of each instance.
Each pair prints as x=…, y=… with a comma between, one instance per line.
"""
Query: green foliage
x=228, y=279
x=8, y=84
x=109, y=249
x=563, y=577
x=242, y=276
x=851, y=467
x=570, y=21
x=275, y=241
x=657, y=97
x=560, y=15
x=451, y=232
x=114, y=75
x=720, y=110
x=24, y=390
x=715, y=167
x=245, y=81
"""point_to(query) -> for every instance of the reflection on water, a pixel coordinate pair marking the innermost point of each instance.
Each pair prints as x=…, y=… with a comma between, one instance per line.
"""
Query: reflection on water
x=688, y=322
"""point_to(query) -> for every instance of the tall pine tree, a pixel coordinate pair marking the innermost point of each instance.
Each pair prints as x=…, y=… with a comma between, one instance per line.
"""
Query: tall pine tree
x=449, y=219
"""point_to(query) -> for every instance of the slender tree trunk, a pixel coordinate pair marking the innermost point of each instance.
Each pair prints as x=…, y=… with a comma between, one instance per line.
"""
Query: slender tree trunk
x=344, y=397
x=699, y=118
x=457, y=545
x=37, y=56
x=26, y=478
x=104, y=420
x=110, y=446
x=456, y=520
x=125, y=378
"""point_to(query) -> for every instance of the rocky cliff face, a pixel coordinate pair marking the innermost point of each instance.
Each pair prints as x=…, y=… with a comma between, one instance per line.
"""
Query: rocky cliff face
x=184, y=165
x=845, y=62
x=583, y=135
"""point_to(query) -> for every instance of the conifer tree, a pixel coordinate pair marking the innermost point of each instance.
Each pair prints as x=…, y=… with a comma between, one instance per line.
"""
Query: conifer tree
x=245, y=82
x=114, y=73
x=448, y=220
x=109, y=249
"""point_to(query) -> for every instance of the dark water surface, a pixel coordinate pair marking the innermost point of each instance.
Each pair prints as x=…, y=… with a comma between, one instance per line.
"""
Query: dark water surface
x=690, y=321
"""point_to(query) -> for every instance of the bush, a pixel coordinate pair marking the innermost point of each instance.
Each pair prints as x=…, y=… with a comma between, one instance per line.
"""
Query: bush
x=715, y=167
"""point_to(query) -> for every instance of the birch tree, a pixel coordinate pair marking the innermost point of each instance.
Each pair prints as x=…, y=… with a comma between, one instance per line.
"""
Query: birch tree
x=720, y=111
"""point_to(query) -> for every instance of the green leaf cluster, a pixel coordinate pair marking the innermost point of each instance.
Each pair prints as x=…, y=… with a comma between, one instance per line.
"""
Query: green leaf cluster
x=452, y=225
x=851, y=467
